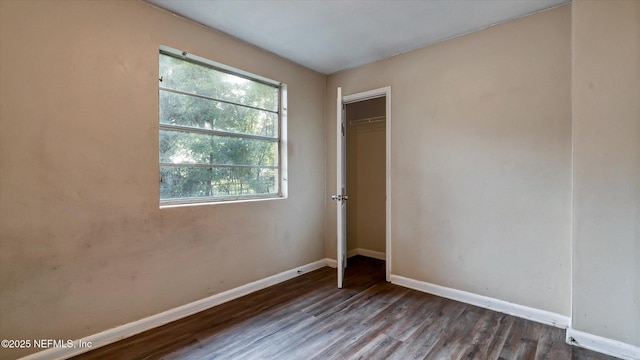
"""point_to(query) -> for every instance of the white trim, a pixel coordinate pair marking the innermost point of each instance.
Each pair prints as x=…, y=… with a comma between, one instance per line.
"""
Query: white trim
x=372, y=254
x=525, y=312
x=602, y=345
x=187, y=203
x=368, y=253
x=331, y=263
x=341, y=171
x=388, y=185
x=284, y=143
x=127, y=330
x=367, y=95
x=572, y=229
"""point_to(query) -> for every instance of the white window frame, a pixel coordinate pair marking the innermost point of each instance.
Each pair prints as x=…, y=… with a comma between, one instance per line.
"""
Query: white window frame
x=282, y=180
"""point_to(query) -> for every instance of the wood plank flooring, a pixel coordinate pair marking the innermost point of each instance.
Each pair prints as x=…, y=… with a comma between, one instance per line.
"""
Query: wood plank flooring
x=309, y=318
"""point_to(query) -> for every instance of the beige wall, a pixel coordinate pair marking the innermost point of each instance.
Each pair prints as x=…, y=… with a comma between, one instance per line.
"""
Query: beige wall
x=83, y=244
x=480, y=160
x=606, y=121
x=366, y=176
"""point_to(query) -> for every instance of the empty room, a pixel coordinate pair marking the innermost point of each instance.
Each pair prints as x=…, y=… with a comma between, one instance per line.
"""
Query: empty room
x=348, y=179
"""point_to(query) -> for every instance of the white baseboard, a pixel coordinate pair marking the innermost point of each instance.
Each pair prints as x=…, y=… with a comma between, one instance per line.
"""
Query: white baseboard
x=602, y=345
x=368, y=253
x=525, y=312
x=573, y=337
x=124, y=331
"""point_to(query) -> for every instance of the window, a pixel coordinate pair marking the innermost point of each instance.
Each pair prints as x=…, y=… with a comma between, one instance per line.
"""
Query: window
x=221, y=132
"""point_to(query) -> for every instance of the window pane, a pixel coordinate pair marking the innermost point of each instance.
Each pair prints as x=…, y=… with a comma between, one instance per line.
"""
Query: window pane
x=198, y=182
x=191, y=148
x=185, y=110
x=198, y=79
x=219, y=135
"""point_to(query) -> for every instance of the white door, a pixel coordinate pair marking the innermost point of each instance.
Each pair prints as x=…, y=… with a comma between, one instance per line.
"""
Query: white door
x=340, y=197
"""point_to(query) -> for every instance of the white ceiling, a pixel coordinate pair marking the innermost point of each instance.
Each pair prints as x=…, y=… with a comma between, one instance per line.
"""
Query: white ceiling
x=332, y=35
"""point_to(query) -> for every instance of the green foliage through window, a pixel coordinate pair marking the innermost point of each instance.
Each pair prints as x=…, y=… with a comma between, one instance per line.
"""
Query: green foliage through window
x=219, y=133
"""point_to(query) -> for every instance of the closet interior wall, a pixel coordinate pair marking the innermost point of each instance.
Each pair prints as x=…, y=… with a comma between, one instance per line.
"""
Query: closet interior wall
x=366, y=176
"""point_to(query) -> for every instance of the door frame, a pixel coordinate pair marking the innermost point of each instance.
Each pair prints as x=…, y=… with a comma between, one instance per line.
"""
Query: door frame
x=367, y=95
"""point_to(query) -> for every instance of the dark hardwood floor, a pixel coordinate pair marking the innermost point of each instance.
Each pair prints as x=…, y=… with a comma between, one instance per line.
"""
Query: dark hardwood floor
x=309, y=318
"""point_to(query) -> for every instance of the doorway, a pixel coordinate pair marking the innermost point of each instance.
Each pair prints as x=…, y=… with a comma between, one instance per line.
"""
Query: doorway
x=364, y=169
x=365, y=166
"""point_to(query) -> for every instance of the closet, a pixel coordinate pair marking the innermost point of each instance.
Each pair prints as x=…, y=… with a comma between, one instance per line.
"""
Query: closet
x=365, y=173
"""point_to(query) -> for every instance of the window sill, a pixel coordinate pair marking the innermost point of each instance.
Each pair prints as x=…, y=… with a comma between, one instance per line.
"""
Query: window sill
x=177, y=204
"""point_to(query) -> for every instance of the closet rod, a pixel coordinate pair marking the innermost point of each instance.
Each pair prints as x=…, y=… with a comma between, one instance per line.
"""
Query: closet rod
x=367, y=120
